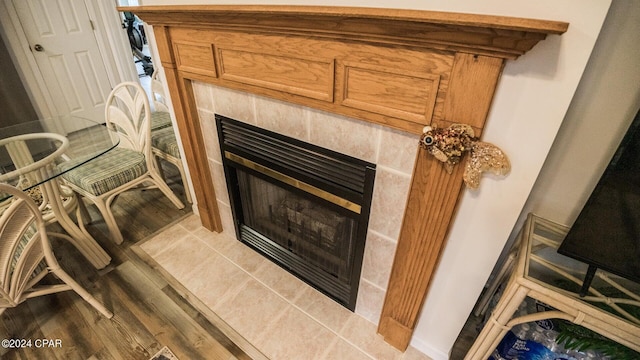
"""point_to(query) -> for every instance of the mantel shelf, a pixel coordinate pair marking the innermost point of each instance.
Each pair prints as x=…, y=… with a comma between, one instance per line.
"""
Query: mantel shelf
x=500, y=36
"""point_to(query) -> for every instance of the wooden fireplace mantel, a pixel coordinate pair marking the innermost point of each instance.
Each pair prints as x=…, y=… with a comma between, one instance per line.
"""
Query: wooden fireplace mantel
x=398, y=68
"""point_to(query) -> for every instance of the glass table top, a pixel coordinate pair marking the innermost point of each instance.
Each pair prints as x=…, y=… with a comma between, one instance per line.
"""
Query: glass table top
x=30, y=151
x=543, y=264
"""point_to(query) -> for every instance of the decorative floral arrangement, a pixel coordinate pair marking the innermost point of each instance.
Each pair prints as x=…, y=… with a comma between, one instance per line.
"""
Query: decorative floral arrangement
x=449, y=145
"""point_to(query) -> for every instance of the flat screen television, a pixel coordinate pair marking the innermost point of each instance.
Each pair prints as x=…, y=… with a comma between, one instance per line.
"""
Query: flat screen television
x=606, y=234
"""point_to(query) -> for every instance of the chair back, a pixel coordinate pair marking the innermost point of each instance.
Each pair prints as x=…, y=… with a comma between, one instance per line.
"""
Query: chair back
x=127, y=111
x=157, y=92
x=23, y=246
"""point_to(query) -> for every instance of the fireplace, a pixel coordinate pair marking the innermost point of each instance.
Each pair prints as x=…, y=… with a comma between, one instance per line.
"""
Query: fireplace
x=395, y=68
x=304, y=207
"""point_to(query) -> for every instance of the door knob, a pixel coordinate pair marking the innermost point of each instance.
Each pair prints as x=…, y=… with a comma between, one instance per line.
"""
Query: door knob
x=38, y=47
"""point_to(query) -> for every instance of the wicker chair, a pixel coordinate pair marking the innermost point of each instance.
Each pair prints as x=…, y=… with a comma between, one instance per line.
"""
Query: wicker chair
x=129, y=166
x=163, y=138
x=26, y=256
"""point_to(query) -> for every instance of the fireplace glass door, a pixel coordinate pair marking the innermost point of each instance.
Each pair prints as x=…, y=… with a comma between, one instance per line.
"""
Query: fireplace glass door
x=312, y=232
x=303, y=207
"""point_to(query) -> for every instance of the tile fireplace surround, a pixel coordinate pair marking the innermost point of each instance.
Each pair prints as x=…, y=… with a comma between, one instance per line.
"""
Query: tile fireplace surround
x=351, y=137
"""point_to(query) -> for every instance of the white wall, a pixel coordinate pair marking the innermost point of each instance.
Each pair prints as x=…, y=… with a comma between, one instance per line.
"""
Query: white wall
x=606, y=101
x=531, y=101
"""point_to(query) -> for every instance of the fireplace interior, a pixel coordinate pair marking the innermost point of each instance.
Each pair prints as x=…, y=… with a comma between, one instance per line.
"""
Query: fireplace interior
x=304, y=207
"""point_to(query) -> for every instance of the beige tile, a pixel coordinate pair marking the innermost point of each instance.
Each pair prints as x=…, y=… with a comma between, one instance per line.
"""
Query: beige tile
x=179, y=258
x=251, y=309
x=340, y=349
x=204, y=234
x=213, y=239
x=202, y=93
x=294, y=335
x=234, y=104
x=398, y=150
x=210, y=135
x=370, y=301
x=258, y=308
x=280, y=281
x=389, y=200
x=281, y=117
x=192, y=223
x=164, y=240
x=215, y=279
x=241, y=255
x=219, y=182
x=378, y=259
x=325, y=310
x=348, y=136
x=227, y=219
x=362, y=334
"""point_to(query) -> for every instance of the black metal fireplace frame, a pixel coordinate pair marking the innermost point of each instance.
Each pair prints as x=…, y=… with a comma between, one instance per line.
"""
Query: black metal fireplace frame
x=277, y=158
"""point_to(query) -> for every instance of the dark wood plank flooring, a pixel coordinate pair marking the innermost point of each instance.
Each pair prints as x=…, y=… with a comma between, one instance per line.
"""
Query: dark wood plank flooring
x=149, y=313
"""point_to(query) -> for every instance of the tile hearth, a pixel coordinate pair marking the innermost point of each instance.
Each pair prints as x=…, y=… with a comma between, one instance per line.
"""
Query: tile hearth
x=281, y=316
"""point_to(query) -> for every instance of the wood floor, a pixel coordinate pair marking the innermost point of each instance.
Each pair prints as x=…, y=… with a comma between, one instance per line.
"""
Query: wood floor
x=149, y=313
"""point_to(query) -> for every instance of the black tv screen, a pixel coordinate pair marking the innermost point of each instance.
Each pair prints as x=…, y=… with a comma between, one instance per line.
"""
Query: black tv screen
x=606, y=234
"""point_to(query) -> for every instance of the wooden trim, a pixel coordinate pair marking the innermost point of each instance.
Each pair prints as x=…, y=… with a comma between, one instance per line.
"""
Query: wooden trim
x=400, y=88
x=182, y=97
x=436, y=17
x=432, y=202
x=396, y=68
x=507, y=37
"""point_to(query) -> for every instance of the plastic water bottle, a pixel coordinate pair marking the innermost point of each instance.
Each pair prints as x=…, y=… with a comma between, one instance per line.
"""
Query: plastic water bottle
x=522, y=331
x=495, y=355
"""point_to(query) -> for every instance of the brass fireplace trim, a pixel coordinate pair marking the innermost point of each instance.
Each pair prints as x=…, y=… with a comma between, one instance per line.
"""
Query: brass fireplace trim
x=332, y=198
x=438, y=68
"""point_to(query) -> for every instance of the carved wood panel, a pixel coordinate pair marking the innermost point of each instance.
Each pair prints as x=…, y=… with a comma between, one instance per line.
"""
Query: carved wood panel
x=309, y=77
x=408, y=95
x=194, y=57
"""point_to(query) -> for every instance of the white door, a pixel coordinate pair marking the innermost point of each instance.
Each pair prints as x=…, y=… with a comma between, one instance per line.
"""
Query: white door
x=63, y=43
